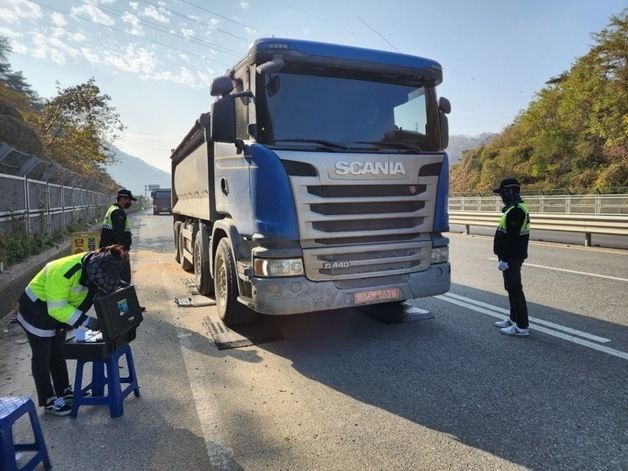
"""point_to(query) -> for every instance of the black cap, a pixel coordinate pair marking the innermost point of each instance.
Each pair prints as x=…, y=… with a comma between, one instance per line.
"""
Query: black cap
x=126, y=193
x=507, y=183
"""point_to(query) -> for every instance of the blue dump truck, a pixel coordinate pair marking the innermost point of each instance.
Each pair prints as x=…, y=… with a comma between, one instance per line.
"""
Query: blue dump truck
x=318, y=180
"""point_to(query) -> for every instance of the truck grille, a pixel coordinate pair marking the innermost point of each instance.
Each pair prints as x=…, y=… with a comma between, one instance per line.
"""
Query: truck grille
x=357, y=227
x=366, y=260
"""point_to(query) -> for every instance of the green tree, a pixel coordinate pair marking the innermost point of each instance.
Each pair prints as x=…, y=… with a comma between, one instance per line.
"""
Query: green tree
x=77, y=127
x=14, y=84
x=573, y=134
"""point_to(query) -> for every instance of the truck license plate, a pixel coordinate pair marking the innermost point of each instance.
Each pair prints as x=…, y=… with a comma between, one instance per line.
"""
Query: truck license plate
x=376, y=295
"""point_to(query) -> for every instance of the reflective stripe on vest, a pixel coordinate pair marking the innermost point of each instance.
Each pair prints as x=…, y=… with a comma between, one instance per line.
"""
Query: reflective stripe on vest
x=32, y=329
x=108, y=224
x=525, y=227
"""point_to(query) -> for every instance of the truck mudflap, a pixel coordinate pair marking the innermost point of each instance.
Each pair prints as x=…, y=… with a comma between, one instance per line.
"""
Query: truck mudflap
x=297, y=295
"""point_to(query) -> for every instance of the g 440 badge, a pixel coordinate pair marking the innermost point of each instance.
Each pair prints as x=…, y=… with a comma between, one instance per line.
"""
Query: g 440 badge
x=333, y=265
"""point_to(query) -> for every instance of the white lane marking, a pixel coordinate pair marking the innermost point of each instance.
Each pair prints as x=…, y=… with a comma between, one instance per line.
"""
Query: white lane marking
x=569, y=330
x=205, y=403
x=608, y=277
x=206, y=406
x=576, y=272
x=560, y=335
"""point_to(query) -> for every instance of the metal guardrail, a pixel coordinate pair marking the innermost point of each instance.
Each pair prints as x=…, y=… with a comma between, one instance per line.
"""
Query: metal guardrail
x=613, y=224
x=580, y=204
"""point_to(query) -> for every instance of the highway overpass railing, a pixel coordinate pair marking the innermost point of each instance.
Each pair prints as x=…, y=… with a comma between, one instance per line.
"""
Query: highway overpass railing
x=586, y=214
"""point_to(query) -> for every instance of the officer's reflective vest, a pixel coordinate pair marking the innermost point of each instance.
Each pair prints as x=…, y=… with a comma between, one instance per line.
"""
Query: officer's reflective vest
x=58, y=286
x=525, y=227
x=108, y=224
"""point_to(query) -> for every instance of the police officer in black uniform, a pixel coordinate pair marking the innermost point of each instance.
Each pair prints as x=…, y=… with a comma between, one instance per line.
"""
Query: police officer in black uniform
x=115, y=227
x=511, y=247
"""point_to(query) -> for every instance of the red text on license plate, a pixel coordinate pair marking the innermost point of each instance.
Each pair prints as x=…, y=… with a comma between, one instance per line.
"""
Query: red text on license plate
x=376, y=295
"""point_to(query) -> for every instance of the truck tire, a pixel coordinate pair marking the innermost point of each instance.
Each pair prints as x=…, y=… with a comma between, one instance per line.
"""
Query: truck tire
x=231, y=312
x=177, y=250
x=202, y=275
x=185, y=263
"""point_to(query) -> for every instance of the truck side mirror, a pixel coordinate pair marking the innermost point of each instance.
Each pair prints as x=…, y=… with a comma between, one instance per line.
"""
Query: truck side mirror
x=444, y=130
x=270, y=67
x=223, y=124
x=221, y=86
x=444, y=108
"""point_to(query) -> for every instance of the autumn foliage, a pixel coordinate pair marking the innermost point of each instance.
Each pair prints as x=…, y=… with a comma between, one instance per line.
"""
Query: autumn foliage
x=573, y=135
x=74, y=129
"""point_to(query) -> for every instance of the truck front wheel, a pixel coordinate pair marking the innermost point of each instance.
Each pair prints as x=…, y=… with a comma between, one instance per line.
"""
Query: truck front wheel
x=204, y=280
x=226, y=287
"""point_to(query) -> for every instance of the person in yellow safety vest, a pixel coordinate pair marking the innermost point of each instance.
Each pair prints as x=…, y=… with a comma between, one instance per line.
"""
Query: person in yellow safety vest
x=57, y=299
x=115, y=227
x=511, y=247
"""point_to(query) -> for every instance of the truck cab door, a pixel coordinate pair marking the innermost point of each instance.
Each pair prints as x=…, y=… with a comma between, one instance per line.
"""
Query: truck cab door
x=231, y=165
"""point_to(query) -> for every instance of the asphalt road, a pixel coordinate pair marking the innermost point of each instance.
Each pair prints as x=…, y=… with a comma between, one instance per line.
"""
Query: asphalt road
x=345, y=391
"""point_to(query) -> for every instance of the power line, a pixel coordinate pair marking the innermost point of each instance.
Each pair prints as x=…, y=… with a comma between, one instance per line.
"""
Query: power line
x=169, y=46
x=187, y=17
x=220, y=16
x=327, y=21
x=162, y=29
x=376, y=32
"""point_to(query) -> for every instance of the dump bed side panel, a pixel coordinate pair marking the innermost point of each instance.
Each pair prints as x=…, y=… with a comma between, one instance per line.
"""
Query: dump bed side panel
x=192, y=188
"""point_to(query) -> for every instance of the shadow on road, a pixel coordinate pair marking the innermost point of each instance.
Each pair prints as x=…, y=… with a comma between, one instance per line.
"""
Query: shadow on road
x=540, y=402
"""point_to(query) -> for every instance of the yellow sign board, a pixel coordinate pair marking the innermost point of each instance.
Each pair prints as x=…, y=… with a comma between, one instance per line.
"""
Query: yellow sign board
x=84, y=241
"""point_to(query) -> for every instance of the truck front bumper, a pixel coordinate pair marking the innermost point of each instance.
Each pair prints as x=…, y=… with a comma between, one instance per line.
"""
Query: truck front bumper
x=295, y=295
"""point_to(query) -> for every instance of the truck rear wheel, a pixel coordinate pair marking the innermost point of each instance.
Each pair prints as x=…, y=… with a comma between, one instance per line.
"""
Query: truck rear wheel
x=226, y=287
x=185, y=263
x=202, y=276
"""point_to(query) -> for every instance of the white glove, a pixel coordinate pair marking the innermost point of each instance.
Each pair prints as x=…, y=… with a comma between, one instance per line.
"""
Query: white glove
x=502, y=266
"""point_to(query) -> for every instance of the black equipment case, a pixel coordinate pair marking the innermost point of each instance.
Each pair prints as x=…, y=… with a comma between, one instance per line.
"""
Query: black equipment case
x=119, y=314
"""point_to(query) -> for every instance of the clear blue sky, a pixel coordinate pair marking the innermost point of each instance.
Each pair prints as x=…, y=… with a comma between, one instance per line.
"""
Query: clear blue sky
x=157, y=58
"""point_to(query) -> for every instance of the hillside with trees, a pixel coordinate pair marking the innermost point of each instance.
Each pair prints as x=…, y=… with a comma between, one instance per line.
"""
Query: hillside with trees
x=460, y=143
x=73, y=129
x=574, y=133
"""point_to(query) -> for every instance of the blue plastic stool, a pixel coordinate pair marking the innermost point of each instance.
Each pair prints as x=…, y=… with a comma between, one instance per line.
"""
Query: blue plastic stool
x=94, y=393
x=11, y=409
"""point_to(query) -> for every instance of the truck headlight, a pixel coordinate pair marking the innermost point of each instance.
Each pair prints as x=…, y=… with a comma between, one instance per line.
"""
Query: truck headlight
x=278, y=266
x=440, y=254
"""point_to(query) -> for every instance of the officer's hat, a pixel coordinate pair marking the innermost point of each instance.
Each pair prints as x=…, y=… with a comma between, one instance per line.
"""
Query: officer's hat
x=508, y=183
x=126, y=193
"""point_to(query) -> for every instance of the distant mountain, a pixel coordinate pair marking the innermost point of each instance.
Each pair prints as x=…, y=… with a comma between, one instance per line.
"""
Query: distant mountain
x=133, y=173
x=459, y=143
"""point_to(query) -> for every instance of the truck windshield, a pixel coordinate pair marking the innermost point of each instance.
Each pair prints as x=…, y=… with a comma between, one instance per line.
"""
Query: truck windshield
x=338, y=112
